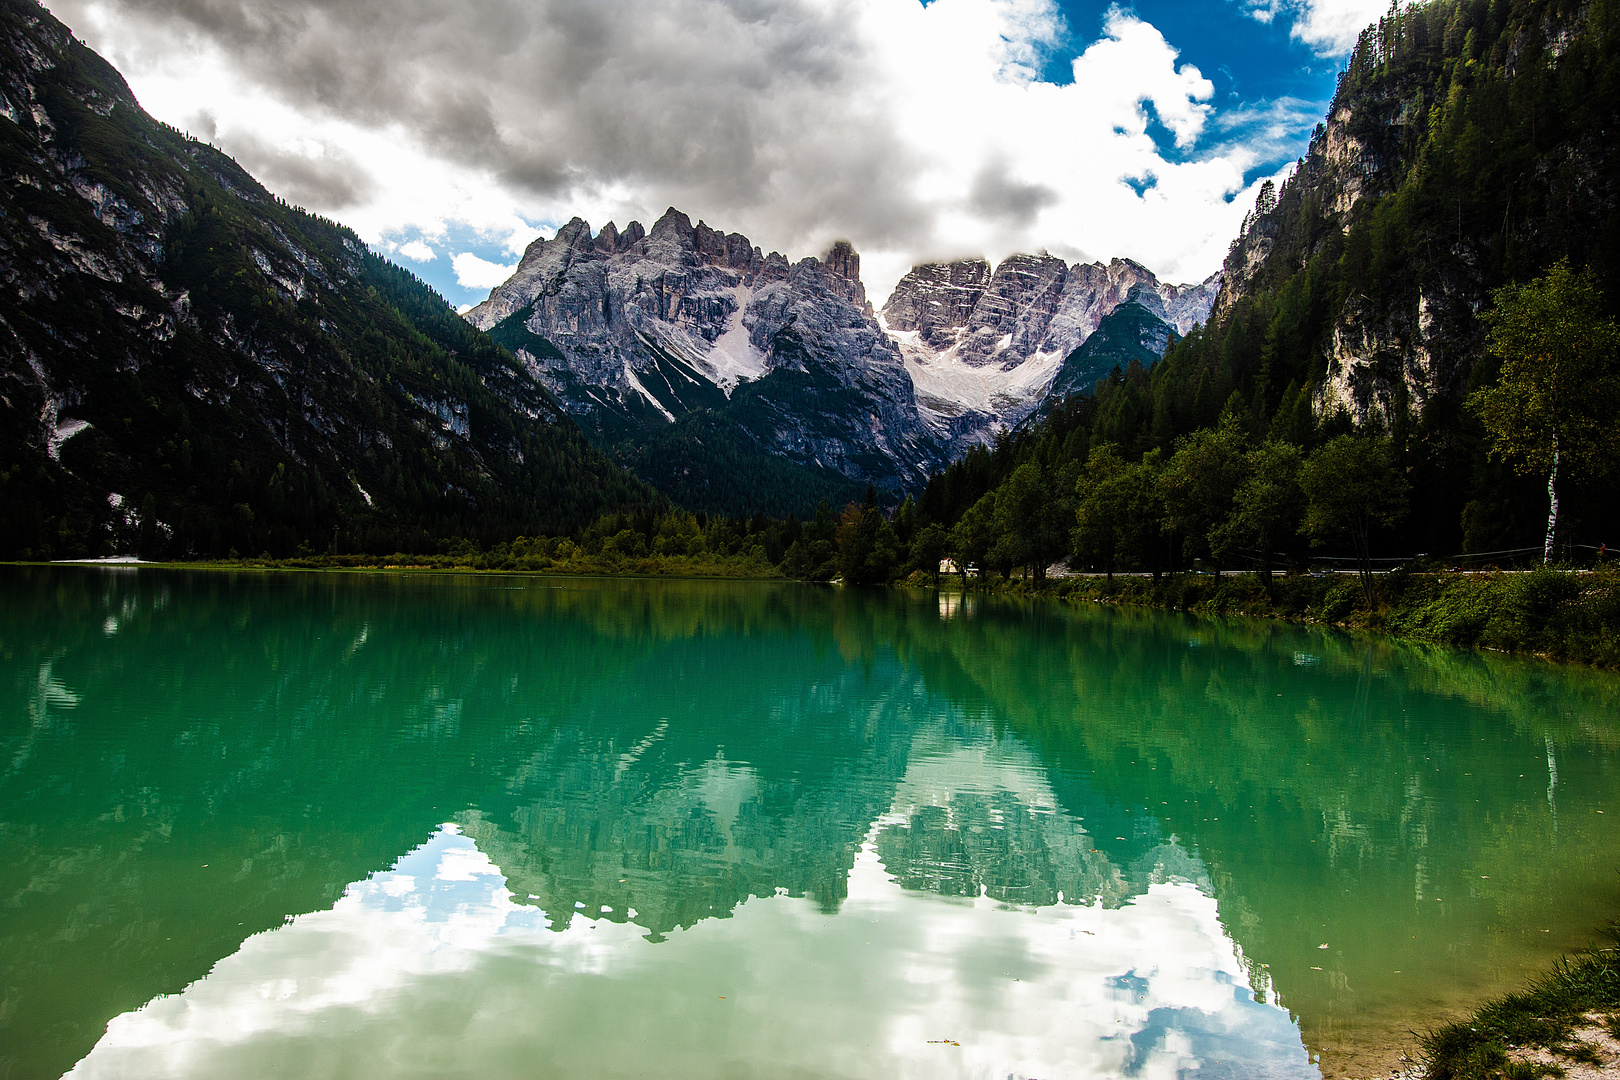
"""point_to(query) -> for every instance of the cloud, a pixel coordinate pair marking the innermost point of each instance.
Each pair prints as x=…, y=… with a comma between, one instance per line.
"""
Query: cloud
x=313, y=174
x=476, y=273
x=914, y=131
x=1330, y=27
x=998, y=196
x=1273, y=129
x=417, y=251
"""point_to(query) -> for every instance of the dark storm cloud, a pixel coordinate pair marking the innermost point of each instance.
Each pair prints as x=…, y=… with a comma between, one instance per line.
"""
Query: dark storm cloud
x=718, y=106
x=331, y=181
x=1001, y=198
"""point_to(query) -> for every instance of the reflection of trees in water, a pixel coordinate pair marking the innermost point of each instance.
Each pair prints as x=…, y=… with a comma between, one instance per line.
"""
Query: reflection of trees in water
x=682, y=834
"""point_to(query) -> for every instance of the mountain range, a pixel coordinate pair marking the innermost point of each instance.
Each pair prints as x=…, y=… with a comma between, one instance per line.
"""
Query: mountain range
x=690, y=354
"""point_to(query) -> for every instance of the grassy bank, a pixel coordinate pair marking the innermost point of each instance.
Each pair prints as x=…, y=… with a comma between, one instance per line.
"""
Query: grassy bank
x=1558, y=614
x=1556, y=1025
x=577, y=562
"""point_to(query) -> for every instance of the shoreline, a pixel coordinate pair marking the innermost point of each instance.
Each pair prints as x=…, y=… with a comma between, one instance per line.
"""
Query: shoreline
x=1552, y=615
x=1564, y=1022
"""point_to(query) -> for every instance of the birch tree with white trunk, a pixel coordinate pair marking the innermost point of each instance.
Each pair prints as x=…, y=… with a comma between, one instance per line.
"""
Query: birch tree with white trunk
x=1555, y=409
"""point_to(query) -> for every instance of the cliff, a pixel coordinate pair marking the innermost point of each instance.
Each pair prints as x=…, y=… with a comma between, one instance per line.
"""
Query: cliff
x=1468, y=144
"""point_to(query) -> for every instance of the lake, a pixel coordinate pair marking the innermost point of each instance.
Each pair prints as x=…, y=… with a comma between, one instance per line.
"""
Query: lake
x=332, y=825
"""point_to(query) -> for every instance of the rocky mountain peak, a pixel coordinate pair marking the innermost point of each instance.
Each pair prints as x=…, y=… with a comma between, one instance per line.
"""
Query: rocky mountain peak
x=983, y=345
x=842, y=268
x=935, y=299
x=576, y=234
x=672, y=223
x=632, y=334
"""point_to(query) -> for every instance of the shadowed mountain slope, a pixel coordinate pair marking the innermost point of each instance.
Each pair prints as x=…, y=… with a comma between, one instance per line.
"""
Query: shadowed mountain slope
x=189, y=365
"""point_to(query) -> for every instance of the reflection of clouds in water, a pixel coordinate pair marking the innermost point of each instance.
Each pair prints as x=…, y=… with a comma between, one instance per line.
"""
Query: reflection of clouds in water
x=1152, y=988
x=432, y=968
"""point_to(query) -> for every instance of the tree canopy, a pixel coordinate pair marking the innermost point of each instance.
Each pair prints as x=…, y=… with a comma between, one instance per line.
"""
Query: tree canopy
x=1556, y=400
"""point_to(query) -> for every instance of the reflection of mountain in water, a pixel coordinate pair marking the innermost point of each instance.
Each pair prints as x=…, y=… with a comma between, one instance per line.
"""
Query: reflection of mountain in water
x=774, y=793
x=434, y=953
x=670, y=830
x=977, y=817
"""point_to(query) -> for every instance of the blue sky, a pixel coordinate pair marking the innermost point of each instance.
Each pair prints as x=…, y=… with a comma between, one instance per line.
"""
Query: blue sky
x=1248, y=60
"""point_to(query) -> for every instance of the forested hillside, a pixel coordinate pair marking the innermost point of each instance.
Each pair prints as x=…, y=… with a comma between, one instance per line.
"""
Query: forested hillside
x=189, y=366
x=1471, y=145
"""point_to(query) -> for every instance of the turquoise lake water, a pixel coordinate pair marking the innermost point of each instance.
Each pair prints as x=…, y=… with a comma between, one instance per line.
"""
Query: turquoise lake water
x=390, y=825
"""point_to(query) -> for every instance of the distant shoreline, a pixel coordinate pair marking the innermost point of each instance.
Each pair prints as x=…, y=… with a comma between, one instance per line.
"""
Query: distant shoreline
x=1549, y=614
x=1558, y=615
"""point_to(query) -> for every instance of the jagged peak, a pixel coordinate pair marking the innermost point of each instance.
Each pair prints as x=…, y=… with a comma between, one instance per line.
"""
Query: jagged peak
x=842, y=259
x=577, y=233
x=672, y=221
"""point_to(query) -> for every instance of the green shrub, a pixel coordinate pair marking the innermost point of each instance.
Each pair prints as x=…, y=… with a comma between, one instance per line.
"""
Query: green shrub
x=1340, y=601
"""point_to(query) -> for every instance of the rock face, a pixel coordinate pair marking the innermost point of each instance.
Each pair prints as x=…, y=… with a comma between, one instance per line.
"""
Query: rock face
x=1380, y=355
x=983, y=347
x=189, y=365
x=636, y=330
x=1400, y=219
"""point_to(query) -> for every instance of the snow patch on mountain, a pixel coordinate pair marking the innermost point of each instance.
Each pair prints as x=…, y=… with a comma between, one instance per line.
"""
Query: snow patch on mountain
x=733, y=357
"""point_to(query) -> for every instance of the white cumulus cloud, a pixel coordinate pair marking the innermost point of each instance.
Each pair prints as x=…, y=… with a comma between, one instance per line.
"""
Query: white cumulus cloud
x=417, y=251
x=1328, y=26
x=476, y=273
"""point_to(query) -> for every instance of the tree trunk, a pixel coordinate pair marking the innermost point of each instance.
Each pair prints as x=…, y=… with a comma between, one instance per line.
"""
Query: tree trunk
x=1552, y=506
x=1362, y=536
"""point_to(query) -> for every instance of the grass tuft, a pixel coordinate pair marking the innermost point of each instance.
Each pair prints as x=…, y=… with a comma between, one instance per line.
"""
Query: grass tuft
x=1544, y=1016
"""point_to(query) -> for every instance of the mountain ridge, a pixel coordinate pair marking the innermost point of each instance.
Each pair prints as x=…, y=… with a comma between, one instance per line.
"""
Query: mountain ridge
x=985, y=347
x=641, y=328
